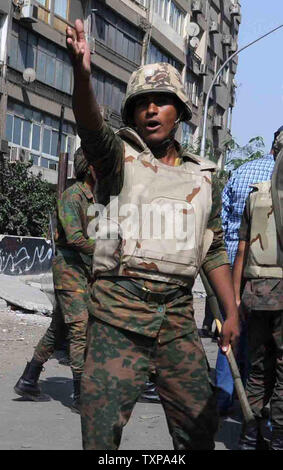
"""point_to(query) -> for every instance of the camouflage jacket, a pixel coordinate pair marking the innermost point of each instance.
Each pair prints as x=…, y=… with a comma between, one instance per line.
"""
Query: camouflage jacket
x=105, y=150
x=72, y=263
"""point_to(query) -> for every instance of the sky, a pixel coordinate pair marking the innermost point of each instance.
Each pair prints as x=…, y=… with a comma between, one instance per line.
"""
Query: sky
x=259, y=96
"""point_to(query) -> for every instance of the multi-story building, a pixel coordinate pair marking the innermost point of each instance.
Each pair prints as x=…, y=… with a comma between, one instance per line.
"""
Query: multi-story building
x=36, y=80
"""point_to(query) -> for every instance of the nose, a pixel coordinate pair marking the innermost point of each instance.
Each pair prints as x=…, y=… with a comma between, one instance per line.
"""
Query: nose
x=152, y=108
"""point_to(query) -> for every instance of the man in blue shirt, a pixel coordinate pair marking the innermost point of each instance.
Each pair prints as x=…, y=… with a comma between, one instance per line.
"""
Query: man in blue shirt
x=234, y=197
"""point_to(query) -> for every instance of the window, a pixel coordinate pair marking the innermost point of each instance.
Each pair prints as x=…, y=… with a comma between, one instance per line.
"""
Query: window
x=171, y=13
x=34, y=159
x=116, y=33
x=108, y=90
x=211, y=60
x=38, y=132
x=55, y=12
x=51, y=63
x=187, y=134
x=61, y=8
x=155, y=54
x=192, y=88
x=44, y=3
x=44, y=10
x=143, y=3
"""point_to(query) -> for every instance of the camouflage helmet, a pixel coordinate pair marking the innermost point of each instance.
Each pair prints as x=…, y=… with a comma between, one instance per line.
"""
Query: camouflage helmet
x=80, y=164
x=156, y=78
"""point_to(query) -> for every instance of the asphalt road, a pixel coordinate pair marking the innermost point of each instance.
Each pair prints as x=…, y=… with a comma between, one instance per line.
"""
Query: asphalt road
x=26, y=425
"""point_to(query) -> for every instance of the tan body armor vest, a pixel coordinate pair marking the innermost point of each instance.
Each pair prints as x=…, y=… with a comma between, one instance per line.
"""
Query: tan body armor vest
x=156, y=228
x=263, y=251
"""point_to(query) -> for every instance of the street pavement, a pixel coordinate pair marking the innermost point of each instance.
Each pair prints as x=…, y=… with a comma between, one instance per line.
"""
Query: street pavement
x=52, y=426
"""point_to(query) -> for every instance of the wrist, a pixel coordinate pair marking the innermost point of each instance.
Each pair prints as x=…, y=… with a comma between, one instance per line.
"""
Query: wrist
x=81, y=74
x=232, y=314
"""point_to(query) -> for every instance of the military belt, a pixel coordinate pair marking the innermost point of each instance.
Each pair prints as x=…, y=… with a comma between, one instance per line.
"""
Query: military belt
x=148, y=296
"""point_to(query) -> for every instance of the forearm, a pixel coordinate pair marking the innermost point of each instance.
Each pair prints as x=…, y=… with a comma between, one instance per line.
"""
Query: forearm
x=221, y=280
x=81, y=244
x=85, y=106
x=238, y=269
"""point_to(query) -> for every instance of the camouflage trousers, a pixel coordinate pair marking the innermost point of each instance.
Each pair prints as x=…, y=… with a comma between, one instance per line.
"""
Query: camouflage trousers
x=118, y=363
x=265, y=381
x=70, y=316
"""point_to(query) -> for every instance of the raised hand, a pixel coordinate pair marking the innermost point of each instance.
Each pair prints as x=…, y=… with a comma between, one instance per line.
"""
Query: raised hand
x=79, y=49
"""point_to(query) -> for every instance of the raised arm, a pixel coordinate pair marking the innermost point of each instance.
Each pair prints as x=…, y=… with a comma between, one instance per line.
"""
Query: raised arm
x=103, y=148
x=85, y=106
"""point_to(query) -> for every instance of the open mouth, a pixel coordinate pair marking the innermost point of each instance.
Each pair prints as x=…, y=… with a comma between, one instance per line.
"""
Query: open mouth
x=152, y=125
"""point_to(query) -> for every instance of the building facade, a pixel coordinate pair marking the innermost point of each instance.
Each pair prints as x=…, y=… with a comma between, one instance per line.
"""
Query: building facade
x=36, y=81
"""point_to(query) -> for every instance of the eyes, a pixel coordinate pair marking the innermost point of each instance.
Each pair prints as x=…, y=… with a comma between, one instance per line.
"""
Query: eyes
x=159, y=100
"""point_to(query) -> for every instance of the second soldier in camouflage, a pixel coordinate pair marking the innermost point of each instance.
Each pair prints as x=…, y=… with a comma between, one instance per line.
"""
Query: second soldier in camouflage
x=72, y=268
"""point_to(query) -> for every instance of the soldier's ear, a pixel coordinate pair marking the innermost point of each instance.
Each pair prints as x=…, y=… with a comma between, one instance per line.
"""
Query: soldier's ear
x=180, y=118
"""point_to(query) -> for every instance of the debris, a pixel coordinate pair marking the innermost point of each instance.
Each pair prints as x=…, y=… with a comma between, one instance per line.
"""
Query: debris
x=18, y=293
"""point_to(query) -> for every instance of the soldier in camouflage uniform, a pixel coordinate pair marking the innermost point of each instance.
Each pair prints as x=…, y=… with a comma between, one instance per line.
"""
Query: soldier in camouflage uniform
x=142, y=305
x=257, y=265
x=71, y=276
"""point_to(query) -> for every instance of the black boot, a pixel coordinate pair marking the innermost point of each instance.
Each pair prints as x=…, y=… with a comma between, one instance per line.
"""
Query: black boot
x=75, y=407
x=27, y=386
x=276, y=442
x=251, y=437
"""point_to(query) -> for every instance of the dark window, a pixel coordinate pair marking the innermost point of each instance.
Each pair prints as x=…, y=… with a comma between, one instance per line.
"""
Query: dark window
x=17, y=131
x=155, y=54
x=9, y=127
x=116, y=33
x=54, y=143
x=51, y=63
x=46, y=141
x=26, y=134
x=44, y=162
x=35, y=137
x=108, y=90
x=35, y=159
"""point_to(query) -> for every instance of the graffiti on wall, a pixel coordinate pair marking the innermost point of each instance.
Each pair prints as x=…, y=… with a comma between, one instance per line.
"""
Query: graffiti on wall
x=24, y=255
